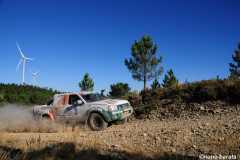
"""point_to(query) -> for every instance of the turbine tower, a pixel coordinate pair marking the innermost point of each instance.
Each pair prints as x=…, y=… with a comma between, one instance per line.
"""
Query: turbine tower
x=23, y=58
x=34, y=76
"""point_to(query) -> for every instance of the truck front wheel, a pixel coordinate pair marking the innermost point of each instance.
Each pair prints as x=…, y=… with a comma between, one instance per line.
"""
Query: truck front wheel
x=96, y=122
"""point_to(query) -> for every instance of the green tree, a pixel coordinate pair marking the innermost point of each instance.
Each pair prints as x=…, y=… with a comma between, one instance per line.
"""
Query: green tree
x=119, y=89
x=155, y=84
x=86, y=84
x=143, y=65
x=235, y=73
x=170, y=79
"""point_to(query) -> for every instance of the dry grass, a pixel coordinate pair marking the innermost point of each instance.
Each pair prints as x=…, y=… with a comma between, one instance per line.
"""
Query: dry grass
x=2, y=139
x=72, y=145
x=227, y=145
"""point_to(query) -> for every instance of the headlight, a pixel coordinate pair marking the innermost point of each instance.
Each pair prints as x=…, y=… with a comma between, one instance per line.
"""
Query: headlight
x=112, y=108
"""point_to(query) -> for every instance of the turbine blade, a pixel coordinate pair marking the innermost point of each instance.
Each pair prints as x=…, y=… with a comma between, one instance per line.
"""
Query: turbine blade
x=36, y=72
x=20, y=50
x=19, y=64
x=30, y=58
x=31, y=71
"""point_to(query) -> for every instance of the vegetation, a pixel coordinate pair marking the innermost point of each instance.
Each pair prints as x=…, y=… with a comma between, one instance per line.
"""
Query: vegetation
x=206, y=90
x=144, y=63
x=170, y=79
x=119, y=89
x=25, y=94
x=86, y=84
x=235, y=72
x=155, y=84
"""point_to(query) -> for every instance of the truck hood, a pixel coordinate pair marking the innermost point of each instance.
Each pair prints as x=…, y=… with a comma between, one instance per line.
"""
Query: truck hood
x=109, y=101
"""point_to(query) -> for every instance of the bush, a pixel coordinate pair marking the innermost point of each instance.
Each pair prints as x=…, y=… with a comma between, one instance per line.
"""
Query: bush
x=206, y=90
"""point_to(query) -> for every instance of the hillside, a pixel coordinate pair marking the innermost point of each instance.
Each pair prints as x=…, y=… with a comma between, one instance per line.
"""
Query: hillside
x=25, y=95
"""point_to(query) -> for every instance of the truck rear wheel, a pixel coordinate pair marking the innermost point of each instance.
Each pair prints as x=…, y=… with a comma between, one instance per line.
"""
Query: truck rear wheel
x=46, y=121
x=96, y=122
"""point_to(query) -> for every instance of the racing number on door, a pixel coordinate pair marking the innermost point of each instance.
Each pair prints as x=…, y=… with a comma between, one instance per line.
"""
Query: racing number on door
x=75, y=111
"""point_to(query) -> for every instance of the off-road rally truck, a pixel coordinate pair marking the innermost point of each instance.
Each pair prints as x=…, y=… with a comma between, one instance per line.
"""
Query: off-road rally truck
x=89, y=107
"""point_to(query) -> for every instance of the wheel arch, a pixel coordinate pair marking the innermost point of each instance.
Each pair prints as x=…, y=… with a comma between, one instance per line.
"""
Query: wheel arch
x=48, y=115
x=95, y=111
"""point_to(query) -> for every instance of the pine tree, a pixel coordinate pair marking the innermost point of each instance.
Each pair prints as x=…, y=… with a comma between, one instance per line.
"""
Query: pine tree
x=155, y=84
x=119, y=89
x=235, y=73
x=144, y=63
x=170, y=79
x=86, y=84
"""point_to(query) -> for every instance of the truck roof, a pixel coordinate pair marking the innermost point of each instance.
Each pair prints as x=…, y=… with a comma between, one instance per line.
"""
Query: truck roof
x=82, y=92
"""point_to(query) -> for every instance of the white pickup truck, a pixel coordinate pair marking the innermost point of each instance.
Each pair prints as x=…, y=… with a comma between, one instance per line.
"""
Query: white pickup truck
x=89, y=107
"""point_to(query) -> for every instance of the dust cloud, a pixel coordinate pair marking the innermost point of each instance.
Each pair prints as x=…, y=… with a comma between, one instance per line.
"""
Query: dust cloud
x=19, y=119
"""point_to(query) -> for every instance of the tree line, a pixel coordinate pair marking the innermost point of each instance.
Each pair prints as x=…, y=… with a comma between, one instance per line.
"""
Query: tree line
x=25, y=94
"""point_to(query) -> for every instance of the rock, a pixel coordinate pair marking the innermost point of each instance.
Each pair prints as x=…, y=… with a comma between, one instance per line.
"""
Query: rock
x=145, y=134
x=168, y=141
x=173, y=150
x=194, y=146
x=201, y=108
x=116, y=145
x=217, y=110
x=157, y=138
x=214, y=111
x=228, y=125
x=221, y=138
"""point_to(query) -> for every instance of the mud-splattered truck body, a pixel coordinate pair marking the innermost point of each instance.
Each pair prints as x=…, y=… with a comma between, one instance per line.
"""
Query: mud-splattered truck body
x=89, y=107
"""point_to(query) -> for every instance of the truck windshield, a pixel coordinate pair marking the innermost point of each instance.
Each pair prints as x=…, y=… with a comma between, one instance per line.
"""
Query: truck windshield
x=90, y=97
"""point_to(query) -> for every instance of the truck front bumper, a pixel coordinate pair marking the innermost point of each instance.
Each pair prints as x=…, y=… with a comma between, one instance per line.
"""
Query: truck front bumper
x=120, y=114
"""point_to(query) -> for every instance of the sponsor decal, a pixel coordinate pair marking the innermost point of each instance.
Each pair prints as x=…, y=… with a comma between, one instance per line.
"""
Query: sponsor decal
x=36, y=113
x=75, y=111
x=62, y=101
x=51, y=115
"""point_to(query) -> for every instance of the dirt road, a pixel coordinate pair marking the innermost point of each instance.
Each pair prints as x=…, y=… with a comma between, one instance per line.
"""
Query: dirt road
x=212, y=134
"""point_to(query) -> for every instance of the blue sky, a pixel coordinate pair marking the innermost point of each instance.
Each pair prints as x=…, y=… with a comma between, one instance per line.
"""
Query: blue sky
x=66, y=39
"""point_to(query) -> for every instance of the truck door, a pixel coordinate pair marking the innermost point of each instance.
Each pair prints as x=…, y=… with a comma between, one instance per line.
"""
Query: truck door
x=59, y=107
x=78, y=111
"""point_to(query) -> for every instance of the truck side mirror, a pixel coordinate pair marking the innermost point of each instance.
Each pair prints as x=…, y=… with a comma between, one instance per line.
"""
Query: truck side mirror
x=79, y=102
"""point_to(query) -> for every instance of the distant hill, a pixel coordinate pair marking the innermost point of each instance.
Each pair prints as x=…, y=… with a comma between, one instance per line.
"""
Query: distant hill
x=25, y=94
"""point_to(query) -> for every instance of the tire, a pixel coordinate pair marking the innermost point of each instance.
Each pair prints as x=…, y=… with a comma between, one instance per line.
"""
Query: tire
x=46, y=125
x=122, y=121
x=96, y=122
x=46, y=121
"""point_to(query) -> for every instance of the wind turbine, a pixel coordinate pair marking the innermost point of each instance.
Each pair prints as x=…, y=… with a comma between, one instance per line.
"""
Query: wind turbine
x=34, y=76
x=23, y=58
